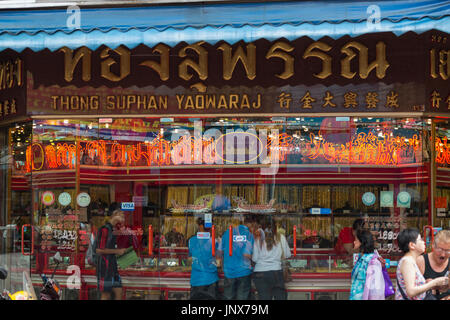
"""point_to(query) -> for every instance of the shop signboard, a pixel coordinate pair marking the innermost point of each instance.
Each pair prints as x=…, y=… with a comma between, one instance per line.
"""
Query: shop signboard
x=369, y=73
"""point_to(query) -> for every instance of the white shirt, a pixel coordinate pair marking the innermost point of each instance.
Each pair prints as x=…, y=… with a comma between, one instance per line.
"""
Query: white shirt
x=269, y=260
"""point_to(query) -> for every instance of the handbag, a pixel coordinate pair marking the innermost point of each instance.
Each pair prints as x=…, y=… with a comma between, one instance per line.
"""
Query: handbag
x=287, y=275
x=127, y=259
x=429, y=295
x=388, y=286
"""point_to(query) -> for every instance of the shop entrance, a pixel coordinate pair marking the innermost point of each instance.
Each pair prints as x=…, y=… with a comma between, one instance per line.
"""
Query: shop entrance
x=310, y=177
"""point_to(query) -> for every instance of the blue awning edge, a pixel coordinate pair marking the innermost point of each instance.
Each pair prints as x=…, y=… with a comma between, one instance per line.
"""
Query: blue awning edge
x=233, y=22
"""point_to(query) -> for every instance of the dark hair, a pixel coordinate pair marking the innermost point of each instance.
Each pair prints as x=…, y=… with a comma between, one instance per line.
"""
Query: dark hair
x=112, y=207
x=271, y=236
x=358, y=224
x=248, y=219
x=405, y=237
x=200, y=221
x=367, y=242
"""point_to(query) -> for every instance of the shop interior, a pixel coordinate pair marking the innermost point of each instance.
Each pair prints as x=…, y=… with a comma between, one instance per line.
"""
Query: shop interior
x=312, y=175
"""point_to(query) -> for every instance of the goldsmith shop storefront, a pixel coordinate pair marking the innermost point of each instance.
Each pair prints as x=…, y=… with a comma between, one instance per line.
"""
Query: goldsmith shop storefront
x=271, y=117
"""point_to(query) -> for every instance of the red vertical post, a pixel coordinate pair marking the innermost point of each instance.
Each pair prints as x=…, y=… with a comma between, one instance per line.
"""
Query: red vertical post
x=150, y=240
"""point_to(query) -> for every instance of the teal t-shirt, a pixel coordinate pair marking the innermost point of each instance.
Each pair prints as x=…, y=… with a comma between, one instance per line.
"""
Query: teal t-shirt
x=237, y=265
x=204, y=269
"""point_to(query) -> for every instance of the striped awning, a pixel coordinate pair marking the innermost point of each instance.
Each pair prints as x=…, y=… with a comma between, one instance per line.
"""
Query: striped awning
x=213, y=22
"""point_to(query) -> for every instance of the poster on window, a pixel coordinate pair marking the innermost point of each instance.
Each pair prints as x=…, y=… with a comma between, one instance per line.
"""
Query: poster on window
x=386, y=199
x=403, y=200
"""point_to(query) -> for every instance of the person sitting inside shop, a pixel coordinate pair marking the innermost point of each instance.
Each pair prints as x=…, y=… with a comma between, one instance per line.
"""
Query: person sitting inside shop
x=174, y=237
x=346, y=238
x=347, y=208
x=204, y=276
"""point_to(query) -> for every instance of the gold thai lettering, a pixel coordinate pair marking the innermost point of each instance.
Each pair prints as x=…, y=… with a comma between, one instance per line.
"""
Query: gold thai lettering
x=71, y=61
x=116, y=64
x=433, y=73
x=201, y=67
x=326, y=59
x=162, y=68
x=380, y=63
x=279, y=50
x=443, y=69
x=11, y=74
x=444, y=64
x=105, y=65
x=230, y=60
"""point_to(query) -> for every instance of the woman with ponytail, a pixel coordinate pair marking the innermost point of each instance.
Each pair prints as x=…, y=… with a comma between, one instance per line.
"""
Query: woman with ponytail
x=268, y=251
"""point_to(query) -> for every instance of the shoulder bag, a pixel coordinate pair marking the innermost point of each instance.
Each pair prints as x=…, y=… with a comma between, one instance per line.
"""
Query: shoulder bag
x=287, y=276
x=429, y=295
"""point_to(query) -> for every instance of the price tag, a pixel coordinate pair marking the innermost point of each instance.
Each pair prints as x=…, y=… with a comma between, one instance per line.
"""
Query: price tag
x=203, y=235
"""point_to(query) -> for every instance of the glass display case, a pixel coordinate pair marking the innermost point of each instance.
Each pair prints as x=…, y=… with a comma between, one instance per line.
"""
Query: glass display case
x=311, y=176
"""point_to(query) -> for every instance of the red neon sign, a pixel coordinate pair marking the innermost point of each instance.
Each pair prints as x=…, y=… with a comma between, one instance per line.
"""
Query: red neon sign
x=364, y=148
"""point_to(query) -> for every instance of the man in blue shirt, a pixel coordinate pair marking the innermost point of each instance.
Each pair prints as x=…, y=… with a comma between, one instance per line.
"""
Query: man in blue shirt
x=237, y=267
x=204, y=276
